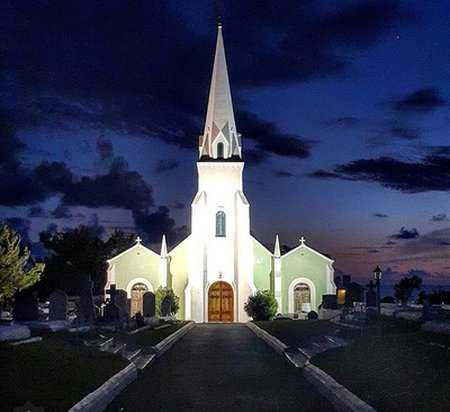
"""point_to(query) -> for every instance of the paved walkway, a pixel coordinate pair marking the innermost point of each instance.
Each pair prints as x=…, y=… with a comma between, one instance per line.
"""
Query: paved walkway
x=220, y=367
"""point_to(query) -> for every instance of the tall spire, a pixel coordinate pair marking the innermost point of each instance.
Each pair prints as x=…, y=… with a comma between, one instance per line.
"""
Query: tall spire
x=220, y=138
x=277, y=251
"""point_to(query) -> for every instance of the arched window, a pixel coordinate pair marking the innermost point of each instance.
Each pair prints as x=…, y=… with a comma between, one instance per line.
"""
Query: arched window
x=302, y=298
x=220, y=224
x=220, y=150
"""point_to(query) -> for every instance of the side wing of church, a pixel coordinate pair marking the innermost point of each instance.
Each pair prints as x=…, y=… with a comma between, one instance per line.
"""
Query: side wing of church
x=220, y=264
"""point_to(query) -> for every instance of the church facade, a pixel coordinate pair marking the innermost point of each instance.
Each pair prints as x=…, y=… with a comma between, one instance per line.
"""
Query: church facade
x=220, y=264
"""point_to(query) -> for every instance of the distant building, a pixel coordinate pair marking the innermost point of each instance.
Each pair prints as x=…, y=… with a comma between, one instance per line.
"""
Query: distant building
x=217, y=267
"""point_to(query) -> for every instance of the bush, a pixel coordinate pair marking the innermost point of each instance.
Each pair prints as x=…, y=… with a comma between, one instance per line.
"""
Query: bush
x=261, y=306
x=313, y=315
x=163, y=293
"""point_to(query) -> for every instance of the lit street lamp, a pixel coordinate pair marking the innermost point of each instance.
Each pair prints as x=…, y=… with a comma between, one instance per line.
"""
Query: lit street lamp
x=377, y=273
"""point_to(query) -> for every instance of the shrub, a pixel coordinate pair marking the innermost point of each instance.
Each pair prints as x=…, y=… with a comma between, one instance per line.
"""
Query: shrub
x=313, y=315
x=163, y=293
x=261, y=306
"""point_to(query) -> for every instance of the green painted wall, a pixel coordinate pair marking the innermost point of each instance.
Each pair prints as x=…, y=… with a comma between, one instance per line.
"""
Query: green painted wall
x=179, y=273
x=303, y=263
x=262, y=267
x=137, y=262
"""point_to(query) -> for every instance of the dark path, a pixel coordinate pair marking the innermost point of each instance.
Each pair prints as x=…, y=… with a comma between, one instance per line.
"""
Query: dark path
x=220, y=367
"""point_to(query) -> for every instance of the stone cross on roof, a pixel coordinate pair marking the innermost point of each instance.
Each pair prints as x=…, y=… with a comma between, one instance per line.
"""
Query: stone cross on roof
x=138, y=239
x=302, y=240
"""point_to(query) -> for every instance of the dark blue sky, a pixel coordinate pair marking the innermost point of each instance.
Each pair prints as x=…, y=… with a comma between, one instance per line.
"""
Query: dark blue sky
x=343, y=108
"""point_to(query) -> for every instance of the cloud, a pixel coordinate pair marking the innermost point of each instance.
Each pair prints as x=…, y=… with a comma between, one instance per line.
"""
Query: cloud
x=405, y=234
x=178, y=205
x=9, y=143
x=373, y=251
x=95, y=226
x=342, y=121
x=21, y=226
x=283, y=173
x=36, y=211
x=158, y=223
x=422, y=100
x=381, y=215
x=405, y=132
x=432, y=173
x=115, y=47
x=119, y=188
x=165, y=165
x=268, y=138
x=441, y=217
x=391, y=243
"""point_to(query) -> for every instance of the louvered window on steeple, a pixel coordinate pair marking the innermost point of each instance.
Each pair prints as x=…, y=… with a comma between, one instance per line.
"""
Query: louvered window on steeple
x=220, y=150
x=220, y=224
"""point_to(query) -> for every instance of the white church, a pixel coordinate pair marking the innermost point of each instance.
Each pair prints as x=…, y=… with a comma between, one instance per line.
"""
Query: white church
x=217, y=267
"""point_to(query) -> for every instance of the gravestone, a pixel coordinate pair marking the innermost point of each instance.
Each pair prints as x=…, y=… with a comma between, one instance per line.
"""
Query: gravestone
x=111, y=312
x=58, y=305
x=26, y=307
x=371, y=296
x=86, y=309
x=148, y=304
x=166, y=307
x=122, y=302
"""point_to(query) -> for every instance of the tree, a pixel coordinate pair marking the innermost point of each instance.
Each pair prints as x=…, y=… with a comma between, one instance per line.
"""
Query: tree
x=16, y=271
x=404, y=289
x=119, y=242
x=261, y=306
x=168, y=293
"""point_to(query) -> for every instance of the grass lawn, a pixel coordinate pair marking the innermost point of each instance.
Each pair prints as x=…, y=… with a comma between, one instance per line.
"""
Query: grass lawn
x=149, y=337
x=401, y=368
x=52, y=374
x=291, y=332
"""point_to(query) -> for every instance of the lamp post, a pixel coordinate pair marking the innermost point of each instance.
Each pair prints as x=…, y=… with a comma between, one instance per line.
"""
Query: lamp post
x=377, y=273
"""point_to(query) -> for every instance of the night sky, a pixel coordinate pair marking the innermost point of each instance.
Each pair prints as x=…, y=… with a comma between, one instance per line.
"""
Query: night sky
x=342, y=106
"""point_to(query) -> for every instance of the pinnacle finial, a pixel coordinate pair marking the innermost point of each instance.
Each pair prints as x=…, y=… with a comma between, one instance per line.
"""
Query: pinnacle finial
x=277, y=250
x=219, y=21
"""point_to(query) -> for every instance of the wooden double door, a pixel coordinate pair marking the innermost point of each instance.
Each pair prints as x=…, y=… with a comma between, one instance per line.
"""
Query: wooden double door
x=220, y=302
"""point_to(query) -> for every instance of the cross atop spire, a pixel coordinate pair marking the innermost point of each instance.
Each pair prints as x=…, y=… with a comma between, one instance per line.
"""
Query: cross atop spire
x=220, y=139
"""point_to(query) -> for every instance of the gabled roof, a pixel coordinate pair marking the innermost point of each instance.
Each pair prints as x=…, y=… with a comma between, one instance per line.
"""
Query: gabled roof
x=138, y=245
x=302, y=245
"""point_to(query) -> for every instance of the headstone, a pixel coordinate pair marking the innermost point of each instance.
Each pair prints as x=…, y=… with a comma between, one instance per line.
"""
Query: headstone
x=86, y=310
x=58, y=305
x=26, y=307
x=148, y=304
x=122, y=302
x=111, y=312
x=312, y=315
x=371, y=296
x=166, y=307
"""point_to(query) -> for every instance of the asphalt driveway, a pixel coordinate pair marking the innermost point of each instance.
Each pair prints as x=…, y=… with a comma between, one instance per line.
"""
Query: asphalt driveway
x=220, y=367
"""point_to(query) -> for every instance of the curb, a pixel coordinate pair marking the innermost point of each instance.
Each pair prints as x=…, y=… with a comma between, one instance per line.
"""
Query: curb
x=339, y=396
x=100, y=398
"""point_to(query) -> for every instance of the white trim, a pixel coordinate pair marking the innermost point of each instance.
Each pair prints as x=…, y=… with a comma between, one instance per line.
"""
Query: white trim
x=304, y=246
x=208, y=285
x=312, y=287
x=133, y=281
x=137, y=245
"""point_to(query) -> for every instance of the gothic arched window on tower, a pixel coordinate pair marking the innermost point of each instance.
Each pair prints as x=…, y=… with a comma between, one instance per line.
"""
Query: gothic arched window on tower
x=220, y=150
x=220, y=224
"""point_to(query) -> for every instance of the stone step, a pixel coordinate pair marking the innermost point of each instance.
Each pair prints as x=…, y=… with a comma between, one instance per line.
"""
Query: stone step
x=163, y=326
x=144, y=360
x=116, y=348
x=105, y=344
x=297, y=358
x=131, y=354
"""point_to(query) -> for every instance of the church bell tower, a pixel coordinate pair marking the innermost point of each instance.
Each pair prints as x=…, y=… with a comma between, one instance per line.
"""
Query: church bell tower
x=221, y=255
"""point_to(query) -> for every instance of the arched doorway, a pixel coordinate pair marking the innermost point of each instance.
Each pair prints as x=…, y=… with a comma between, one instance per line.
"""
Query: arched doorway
x=137, y=291
x=220, y=302
x=302, y=298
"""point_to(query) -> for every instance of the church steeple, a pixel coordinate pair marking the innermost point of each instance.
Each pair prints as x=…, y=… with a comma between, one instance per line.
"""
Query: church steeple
x=220, y=138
